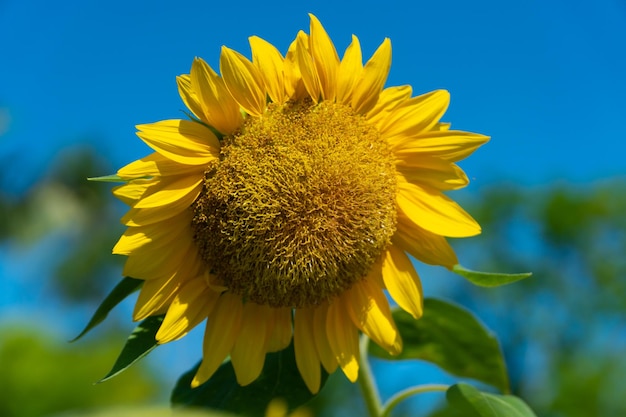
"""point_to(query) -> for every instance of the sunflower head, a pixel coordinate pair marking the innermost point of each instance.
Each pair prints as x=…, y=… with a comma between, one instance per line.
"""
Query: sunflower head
x=287, y=205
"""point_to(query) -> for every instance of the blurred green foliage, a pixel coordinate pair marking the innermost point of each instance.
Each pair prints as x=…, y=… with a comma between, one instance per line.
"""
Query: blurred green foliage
x=563, y=331
x=42, y=376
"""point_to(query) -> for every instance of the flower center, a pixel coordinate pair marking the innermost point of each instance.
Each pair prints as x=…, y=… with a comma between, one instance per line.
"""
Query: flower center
x=300, y=206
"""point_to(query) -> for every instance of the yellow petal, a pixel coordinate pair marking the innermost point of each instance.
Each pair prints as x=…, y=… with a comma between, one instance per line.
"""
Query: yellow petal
x=157, y=293
x=281, y=331
x=243, y=80
x=153, y=236
x=248, y=353
x=307, y=69
x=220, y=108
x=164, y=200
x=432, y=172
x=415, y=115
x=349, y=72
x=389, y=99
x=182, y=141
x=191, y=305
x=294, y=86
x=307, y=360
x=157, y=165
x=325, y=58
x=189, y=96
x=435, y=212
x=222, y=330
x=373, y=78
x=343, y=338
x=131, y=192
x=154, y=263
x=270, y=63
x=154, y=295
x=170, y=191
x=326, y=355
x=451, y=145
x=402, y=282
x=424, y=246
x=369, y=311
x=166, y=210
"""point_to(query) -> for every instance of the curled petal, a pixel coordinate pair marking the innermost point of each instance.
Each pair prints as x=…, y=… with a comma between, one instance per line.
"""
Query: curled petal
x=402, y=282
x=325, y=58
x=244, y=81
x=373, y=78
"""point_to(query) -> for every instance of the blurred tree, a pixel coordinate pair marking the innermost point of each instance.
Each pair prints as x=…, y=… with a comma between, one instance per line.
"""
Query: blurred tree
x=41, y=376
x=82, y=216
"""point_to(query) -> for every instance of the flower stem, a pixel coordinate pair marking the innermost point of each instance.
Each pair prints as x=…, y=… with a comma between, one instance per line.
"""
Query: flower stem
x=367, y=383
x=403, y=395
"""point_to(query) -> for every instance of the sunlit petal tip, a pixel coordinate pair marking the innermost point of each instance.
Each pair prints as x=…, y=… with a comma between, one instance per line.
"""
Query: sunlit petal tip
x=243, y=80
x=270, y=63
x=402, y=282
x=373, y=79
x=325, y=58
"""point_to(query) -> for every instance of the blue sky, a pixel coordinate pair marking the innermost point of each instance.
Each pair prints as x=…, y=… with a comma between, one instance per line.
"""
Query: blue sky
x=544, y=78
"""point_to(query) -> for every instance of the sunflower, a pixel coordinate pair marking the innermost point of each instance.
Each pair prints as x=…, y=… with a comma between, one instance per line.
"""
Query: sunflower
x=288, y=204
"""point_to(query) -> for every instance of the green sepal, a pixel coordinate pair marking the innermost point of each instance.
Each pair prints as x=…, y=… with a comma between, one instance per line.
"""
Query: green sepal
x=488, y=279
x=453, y=339
x=474, y=403
x=107, y=178
x=140, y=342
x=280, y=378
x=122, y=290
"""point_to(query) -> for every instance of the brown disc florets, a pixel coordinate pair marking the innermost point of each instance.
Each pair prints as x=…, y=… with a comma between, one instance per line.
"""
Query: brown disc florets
x=300, y=206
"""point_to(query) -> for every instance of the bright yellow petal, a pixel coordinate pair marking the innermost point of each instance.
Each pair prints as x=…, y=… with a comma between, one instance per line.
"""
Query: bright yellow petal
x=222, y=330
x=270, y=63
x=343, y=338
x=327, y=357
x=369, y=311
x=307, y=69
x=372, y=80
x=248, y=353
x=191, y=305
x=244, y=81
x=157, y=165
x=154, y=236
x=131, y=192
x=294, y=86
x=451, y=145
x=415, y=115
x=171, y=191
x=148, y=264
x=157, y=293
x=402, y=281
x=349, y=72
x=307, y=359
x=281, y=331
x=189, y=96
x=424, y=246
x=182, y=141
x=325, y=58
x=432, y=172
x=220, y=108
x=389, y=99
x=435, y=212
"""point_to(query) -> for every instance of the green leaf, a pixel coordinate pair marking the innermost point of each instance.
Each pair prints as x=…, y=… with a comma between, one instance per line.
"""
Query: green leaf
x=280, y=379
x=453, y=339
x=122, y=290
x=108, y=178
x=140, y=342
x=474, y=403
x=489, y=279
